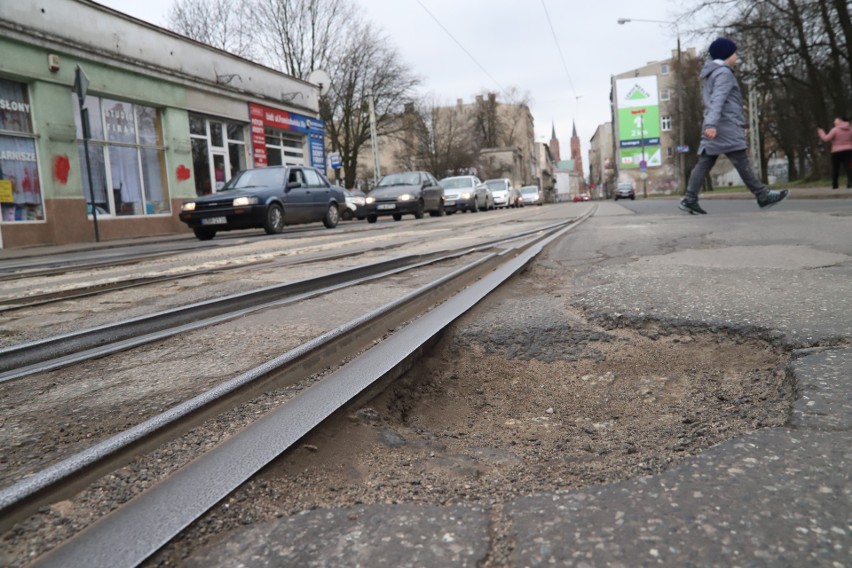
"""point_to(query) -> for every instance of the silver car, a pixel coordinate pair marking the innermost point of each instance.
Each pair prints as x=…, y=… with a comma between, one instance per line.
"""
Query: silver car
x=504, y=194
x=466, y=193
x=531, y=195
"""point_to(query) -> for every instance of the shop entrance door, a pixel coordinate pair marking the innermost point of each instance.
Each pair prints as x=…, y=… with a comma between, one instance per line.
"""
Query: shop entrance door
x=221, y=170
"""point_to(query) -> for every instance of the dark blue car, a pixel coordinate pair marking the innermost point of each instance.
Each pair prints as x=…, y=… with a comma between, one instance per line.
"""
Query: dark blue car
x=268, y=198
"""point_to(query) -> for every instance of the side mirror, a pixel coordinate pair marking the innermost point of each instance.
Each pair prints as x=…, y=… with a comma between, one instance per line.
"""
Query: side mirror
x=294, y=185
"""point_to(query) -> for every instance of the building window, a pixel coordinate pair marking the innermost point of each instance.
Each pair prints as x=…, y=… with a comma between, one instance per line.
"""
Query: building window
x=218, y=152
x=126, y=158
x=665, y=94
x=665, y=123
x=20, y=190
x=669, y=152
x=664, y=69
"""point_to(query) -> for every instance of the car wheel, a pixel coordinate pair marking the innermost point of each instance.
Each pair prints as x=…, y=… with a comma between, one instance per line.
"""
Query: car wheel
x=450, y=212
x=632, y=198
x=274, y=223
x=346, y=215
x=372, y=218
x=616, y=198
x=418, y=213
x=397, y=217
x=204, y=233
x=474, y=208
x=332, y=216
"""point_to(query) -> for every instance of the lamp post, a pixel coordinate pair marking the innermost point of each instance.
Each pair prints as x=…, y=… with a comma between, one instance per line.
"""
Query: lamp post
x=681, y=163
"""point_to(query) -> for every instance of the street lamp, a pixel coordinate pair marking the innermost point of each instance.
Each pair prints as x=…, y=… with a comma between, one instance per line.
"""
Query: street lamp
x=681, y=163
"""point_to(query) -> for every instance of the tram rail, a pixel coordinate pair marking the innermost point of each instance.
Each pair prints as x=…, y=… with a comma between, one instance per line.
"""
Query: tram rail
x=386, y=342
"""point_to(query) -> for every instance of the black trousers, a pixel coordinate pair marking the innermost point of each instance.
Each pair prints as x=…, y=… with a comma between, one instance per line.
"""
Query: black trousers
x=844, y=158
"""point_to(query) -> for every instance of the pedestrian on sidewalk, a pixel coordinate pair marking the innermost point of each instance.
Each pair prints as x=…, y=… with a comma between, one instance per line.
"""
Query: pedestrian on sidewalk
x=723, y=129
x=841, y=149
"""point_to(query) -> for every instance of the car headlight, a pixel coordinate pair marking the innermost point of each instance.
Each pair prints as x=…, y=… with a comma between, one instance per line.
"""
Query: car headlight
x=358, y=200
x=188, y=206
x=370, y=200
x=243, y=201
x=405, y=197
x=465, y=195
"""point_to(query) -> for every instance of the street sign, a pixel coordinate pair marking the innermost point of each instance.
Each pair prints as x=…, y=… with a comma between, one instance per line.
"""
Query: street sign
x=682, y=149
x=643, y=166
x=334, y=160
x=81, y=84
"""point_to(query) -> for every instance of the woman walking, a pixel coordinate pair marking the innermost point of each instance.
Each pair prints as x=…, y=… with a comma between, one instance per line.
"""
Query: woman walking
x=841, y=149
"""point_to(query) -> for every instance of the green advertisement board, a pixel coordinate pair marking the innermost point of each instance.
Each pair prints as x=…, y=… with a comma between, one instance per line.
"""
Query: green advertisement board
x=629, y=158
x=638, y=121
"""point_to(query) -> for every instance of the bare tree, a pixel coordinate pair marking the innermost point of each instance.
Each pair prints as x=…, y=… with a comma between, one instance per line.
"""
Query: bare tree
x=365, y=65
x=300, y=36
x=436, y=138
x=224, y=24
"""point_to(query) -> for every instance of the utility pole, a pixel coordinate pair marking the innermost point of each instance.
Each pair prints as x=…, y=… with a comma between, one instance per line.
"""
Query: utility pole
x=374, y=142
x=753, y=118
x=681, y=166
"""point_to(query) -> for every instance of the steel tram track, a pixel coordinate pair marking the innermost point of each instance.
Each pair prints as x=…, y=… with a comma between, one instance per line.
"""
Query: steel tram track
x=52, y=353
x=137, y=529
x=35, y=300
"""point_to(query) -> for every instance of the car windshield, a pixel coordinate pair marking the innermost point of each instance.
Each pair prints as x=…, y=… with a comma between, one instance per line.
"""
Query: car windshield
x=259, y=177
x=496, y=185
x=529, y=190
x=455, y=183
x=406, y=178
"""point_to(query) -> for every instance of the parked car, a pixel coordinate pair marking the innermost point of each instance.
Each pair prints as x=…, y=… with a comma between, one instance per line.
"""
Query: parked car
x=625, y=190
x=582, y=197
x=531, y=195
x=466, y=193
x=505, y=195
x=413, y=193
x=267, y=198
x=356, y=205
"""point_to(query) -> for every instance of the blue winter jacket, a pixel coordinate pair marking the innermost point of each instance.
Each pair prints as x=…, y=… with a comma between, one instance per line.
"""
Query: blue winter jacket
x=723, y=109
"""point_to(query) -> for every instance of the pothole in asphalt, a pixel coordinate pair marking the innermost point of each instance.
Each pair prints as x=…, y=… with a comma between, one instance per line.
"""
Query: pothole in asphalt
x=548, y=402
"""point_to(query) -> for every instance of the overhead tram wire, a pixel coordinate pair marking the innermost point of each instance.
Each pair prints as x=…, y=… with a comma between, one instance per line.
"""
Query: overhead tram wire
x=559, y=49
x=472, y=58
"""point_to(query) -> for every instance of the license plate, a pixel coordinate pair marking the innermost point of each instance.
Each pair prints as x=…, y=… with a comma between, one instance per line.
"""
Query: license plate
x=387, y=206
x=450, y=202
x=214, y=221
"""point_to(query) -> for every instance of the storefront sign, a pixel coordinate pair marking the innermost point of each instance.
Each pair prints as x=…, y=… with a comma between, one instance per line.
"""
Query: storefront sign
x=264, y=117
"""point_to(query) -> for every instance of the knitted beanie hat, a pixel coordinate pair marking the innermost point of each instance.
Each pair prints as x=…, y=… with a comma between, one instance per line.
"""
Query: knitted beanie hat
x=722, y=48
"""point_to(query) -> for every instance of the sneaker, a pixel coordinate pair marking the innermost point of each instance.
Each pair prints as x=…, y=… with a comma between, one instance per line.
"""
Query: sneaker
x=691, y=207
x=772, y=197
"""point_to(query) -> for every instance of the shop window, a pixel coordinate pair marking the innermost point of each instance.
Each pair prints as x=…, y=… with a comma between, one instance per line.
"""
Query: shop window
x=218, y=152
x=283, y=148
x=20, y=190
x=126, y=157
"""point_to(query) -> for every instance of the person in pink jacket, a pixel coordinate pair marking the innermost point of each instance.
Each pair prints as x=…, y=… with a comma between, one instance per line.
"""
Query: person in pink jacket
x=841, y=149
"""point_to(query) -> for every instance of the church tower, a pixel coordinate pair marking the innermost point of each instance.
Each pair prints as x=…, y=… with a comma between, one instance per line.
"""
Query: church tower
x=554, y=145
x=576, y=152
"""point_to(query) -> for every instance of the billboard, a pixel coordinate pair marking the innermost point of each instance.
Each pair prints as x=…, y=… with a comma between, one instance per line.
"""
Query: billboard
x=638, y=108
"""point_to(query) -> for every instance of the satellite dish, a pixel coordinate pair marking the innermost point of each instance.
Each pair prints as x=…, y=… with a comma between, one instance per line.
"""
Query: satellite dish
x=320, y=78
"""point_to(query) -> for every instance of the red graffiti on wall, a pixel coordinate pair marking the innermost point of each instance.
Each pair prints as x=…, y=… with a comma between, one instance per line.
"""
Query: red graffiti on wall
x=61, y=168
x=183, y=173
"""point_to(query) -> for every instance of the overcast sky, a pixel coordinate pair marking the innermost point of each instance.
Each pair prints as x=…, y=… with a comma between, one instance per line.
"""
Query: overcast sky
x=513, y=42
